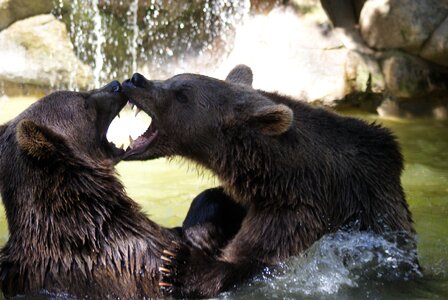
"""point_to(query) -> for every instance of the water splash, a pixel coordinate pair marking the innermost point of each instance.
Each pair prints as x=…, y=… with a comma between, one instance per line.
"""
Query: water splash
x=338, y=265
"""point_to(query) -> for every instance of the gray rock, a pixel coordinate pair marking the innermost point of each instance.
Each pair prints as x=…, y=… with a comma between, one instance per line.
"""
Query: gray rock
x=37, y=52
x=14, y=10
x=407, y=76
x=436, y=48
x=401, y=24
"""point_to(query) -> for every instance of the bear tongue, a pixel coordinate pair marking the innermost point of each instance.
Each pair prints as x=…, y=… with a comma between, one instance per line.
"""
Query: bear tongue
x=145, y=139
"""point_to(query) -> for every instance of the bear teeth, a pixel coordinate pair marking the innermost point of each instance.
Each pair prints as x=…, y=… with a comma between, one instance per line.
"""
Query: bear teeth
x=138, y=110
x=131, y=142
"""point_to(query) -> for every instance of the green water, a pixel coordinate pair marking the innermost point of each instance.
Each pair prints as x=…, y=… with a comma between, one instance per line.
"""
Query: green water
x=164, y=190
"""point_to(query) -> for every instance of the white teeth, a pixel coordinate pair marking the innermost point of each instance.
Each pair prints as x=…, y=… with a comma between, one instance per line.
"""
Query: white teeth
x=132, y=106
x=137, y=111
x=122, y=147
x=131, y=142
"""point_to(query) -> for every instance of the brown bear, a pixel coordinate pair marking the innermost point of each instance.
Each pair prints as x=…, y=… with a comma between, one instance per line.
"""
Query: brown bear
x=73, y=232
x=300, y=171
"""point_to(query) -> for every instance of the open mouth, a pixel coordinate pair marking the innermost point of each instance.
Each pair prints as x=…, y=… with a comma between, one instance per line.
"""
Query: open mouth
x=130, y=129
x=143, y=141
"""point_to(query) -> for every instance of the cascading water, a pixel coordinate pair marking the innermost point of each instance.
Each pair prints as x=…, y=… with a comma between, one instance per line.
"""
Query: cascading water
x=98, y=42
x=133, y=14
x=118, y=38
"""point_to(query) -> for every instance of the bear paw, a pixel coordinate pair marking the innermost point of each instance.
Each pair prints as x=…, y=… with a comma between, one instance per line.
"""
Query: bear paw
x=174, y=256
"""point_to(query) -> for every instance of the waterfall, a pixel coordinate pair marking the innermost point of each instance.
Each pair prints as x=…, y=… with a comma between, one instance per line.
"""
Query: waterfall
x=98, y=43
x=133, y=11
x=157, y=37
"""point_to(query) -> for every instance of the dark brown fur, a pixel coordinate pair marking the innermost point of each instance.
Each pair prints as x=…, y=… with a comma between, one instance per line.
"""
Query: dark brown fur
x=73, y=231
x=300, y=171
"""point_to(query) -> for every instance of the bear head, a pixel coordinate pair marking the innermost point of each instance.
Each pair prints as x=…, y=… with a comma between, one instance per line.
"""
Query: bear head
x=62, y=131
x=65, y=123
x=191, y=113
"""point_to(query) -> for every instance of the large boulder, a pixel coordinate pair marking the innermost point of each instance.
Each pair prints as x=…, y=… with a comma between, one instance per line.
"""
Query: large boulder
x=38, y=52
x=401, y=24
x=13, y=10
x=436, y=48
x=408, y=76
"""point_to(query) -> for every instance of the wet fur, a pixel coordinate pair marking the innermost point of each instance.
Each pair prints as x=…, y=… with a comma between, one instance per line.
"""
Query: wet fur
x=73, y=230
x=300, y=171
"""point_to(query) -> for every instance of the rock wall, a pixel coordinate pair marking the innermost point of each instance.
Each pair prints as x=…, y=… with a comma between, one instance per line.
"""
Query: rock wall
x=401, y=44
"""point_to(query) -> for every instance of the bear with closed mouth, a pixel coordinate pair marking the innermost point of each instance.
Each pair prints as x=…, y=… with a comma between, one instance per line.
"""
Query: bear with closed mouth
x=299, y=171
x=73, y=231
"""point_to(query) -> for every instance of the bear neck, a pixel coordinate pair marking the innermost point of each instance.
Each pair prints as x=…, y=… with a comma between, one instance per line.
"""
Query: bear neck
x=249, y=169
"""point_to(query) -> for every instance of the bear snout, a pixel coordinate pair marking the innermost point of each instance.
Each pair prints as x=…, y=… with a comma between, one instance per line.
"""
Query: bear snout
x=113, y=87
x=139, y=80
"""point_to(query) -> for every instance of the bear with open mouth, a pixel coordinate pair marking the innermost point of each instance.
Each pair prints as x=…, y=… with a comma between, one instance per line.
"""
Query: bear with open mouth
x=300, y=171
x=73, y=231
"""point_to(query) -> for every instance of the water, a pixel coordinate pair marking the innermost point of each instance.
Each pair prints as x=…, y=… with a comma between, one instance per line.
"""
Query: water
x=339, y=266
x=118, y=38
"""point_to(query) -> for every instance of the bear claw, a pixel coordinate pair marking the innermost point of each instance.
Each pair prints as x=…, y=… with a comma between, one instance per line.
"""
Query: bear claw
x=165, y=284
x=165, y=259
x=164, y=270
x=167, y=271
x=168, y=253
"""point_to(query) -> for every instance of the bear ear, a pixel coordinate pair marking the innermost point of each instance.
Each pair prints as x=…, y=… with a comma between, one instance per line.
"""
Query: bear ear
x=272, y=119
x=39, y=142
x=241, y=74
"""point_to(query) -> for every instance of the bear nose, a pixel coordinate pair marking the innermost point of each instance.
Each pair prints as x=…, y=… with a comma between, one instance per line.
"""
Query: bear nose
x=138, y=79
x=113, y=87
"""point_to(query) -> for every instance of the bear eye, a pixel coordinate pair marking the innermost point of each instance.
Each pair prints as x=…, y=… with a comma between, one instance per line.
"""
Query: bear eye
x=181, y=96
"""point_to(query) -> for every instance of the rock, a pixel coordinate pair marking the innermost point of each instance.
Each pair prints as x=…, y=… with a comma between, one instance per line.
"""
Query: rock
x=401, y=24
x=13, y=10
x=305, y=63
x=436, y=48
x=37, y=51
x=363, y=73
x=263, y=6
x=407, y=76
x=343, y=13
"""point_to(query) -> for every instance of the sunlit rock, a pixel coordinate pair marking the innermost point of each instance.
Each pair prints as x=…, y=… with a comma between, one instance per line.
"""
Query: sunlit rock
x=36, y=52
x=290, y=54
